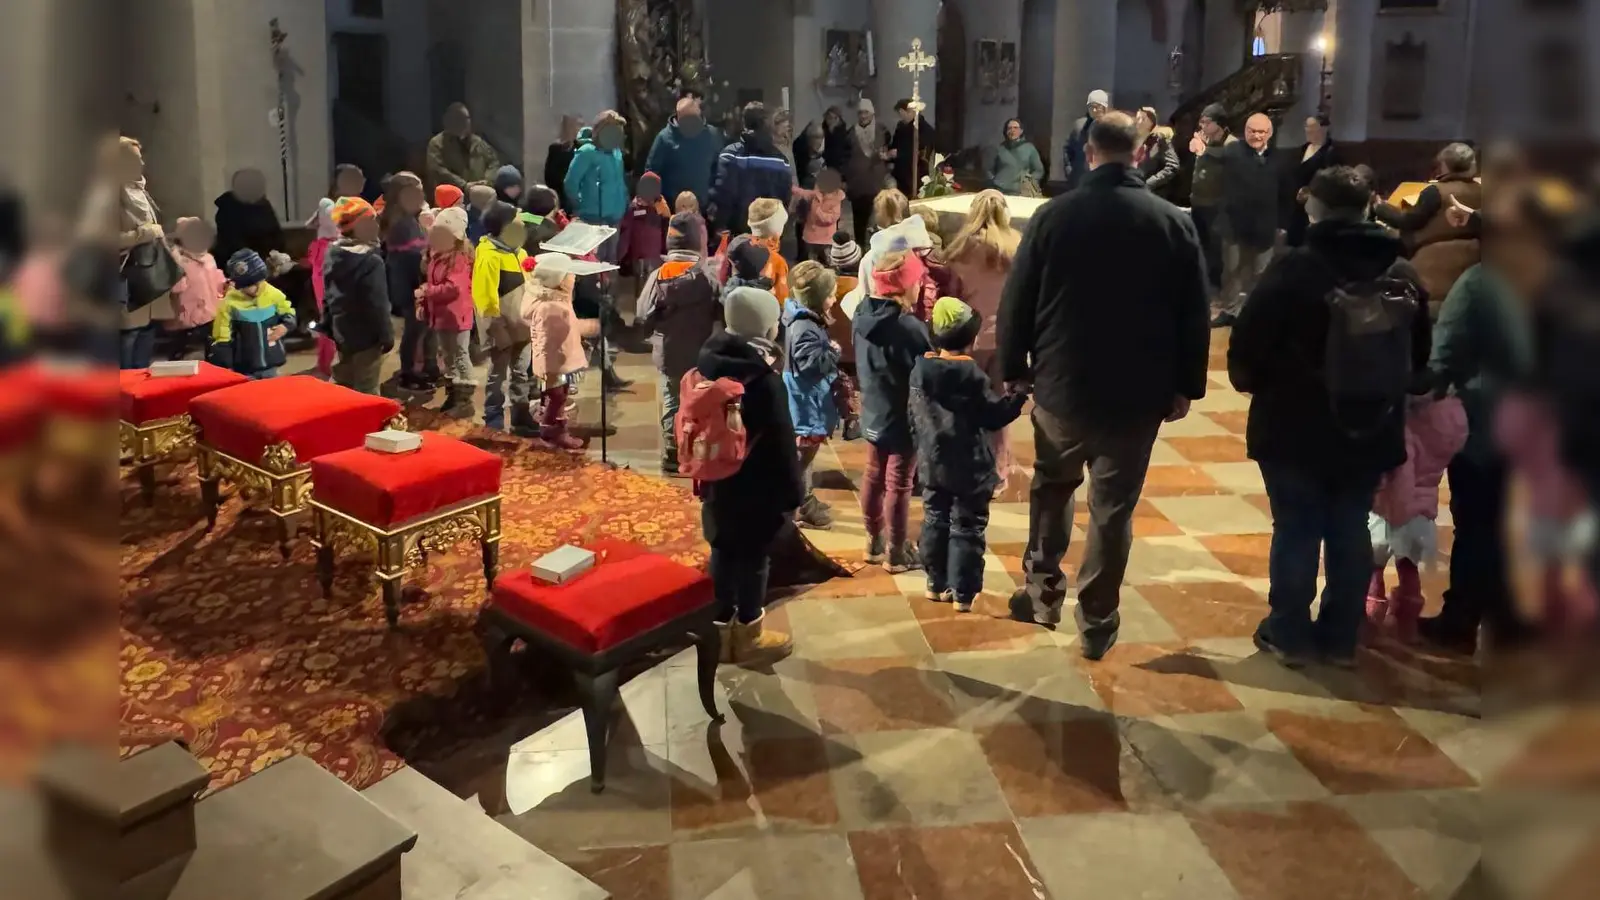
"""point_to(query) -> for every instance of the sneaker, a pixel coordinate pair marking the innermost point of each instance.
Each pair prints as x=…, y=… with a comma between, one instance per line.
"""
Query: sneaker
x=903, y=557
x=876, y=549
x=1265, y=644
x=937, y=595
x=964, y=604
x=814, y=514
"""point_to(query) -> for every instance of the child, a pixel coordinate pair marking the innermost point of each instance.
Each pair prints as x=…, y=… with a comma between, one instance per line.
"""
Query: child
x=644, y=229
x=555, y=345
x=247, y=333
x=825, y=207
x=745, y=513
x=889, y=341
x=480, y=197
x=447, y=196
x=348, y=181
x=542, y=216
x=845, y=259
x=767, y=220
x=499, y=282
x=355, y=311
x=955, y=414
x=404, y=240
x=1406, y=505
x=444, y=304
x=889, y=208
x=508, y=185
x=686, y=202
x=317, y=257
x=811, y=369
x=680, y=306
x=194, y=300
x=750, y=266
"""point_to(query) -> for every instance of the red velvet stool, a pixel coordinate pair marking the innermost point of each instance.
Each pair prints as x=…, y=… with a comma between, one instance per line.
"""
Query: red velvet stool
x=261, y=435
x=401, y=506
x=632, y=601
x=153, y=419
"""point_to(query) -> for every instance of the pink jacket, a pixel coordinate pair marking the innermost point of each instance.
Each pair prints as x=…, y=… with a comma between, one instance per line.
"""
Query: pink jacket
x=1435, y=433
x=823, y=212
x=195, y=299
x=1527, y=430
x=557, y=338
x=447, y=292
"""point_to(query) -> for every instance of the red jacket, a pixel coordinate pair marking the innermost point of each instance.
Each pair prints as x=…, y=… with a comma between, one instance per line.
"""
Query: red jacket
x=447, y=291
x=644, y=230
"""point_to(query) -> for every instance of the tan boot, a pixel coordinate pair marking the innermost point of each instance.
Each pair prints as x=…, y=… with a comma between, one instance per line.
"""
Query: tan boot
x=725, y=630
x=755, y=645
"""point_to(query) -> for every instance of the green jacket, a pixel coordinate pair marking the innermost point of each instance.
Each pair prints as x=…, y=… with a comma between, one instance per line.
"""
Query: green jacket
x=1012, y=160
x=1481, y=344
x=452, y=160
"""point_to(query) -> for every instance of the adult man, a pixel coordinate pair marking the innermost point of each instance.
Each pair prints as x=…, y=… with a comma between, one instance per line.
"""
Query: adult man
x=1073, y=164
x=748, y=169
x=685, y=153
x=1205, y=187
x=1252, y=194
x=912, y=137
x=1323, y=442
x=1105, y=374
x=865, y=171
x=456, y=155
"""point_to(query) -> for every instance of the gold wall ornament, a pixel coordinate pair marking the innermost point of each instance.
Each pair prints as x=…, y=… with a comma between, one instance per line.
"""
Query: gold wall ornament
x=398, y=423
x=279, y=458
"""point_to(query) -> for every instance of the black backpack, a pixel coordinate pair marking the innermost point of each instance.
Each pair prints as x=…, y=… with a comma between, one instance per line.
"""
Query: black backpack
x=1367, y=365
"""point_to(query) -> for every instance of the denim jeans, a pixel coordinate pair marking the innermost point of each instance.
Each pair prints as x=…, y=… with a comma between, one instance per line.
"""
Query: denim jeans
x=739, y=581
x=507, y=362
x=1311, y=513
x=953, y=528
x=137, y=348
x=669, y=413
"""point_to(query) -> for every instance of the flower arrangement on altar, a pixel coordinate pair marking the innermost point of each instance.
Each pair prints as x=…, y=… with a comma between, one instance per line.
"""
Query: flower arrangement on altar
x=940, y=181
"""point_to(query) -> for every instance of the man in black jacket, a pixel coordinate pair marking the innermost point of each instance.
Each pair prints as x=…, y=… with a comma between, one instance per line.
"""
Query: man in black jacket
x=1105, y=314
x=1252, y=194
x=747, y=170
x=1320, y=459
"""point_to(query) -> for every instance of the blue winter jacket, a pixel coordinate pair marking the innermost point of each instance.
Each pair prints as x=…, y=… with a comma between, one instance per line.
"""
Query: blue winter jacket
x=811, y=365
x=889, y=341
x=685, y=163
x=596, y=187
x=747, y=170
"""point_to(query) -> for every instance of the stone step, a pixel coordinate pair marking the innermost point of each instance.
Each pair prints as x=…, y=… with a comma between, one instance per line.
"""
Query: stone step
x=463, y=854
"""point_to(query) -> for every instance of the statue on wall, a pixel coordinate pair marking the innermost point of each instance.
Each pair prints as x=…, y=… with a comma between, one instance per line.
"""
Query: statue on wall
x=660, y=52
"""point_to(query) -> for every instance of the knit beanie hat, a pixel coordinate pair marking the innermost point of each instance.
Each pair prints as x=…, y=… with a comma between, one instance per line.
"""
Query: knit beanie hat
x=347, y=211
x=454, y=220
x=767, y=217
x=497, y=217
x=542, y=201
x=246, y=268
x=685, y=232
x=446, y=196
x=844, y=254
x=750, y=312
x=749, y=259
x=899, y=281
x=481, y=195
x=1216, y=112
x=955, y=324
x=550, y=269
x=649, y=178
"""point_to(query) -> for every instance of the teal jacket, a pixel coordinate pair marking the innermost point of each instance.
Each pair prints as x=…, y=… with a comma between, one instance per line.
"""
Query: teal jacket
x=595, y=185
x=1482, y=343
x=1012, y=160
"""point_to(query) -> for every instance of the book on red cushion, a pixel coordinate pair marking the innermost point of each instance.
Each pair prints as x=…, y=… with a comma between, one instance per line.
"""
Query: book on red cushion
x=315, y=416
x=146, y=398
x=388, y=489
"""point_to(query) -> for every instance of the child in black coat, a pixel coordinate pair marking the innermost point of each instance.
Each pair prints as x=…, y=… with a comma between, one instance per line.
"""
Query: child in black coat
x=954, y=414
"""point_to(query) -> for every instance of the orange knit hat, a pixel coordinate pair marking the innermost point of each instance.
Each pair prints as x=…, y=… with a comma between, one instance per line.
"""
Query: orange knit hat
x=347, y=211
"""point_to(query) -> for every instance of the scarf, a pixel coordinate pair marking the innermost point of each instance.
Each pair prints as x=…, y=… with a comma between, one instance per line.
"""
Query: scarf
x=867, y=136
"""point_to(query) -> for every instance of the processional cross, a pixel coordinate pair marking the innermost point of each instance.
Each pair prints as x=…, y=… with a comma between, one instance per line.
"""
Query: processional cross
x=916, y=62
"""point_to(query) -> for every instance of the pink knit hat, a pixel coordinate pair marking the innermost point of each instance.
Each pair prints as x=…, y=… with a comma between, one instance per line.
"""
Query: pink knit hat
x=901, y=280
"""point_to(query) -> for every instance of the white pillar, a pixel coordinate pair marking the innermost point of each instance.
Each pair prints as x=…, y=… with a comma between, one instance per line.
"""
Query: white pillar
x=1224, y=41
x=1299, y=35
x=894, y=24
x=1352, y=68
x=1086, y=60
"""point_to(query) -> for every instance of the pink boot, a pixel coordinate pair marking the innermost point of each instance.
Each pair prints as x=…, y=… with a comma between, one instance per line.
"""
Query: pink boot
x=553, y=421
x=1377, y=601
x=1405, y=604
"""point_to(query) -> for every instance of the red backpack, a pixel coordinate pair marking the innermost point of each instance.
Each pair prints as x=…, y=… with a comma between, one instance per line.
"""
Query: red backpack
x=709, y=428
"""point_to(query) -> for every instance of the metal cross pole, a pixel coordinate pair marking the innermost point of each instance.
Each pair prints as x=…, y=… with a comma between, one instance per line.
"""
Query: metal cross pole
x=916, y=62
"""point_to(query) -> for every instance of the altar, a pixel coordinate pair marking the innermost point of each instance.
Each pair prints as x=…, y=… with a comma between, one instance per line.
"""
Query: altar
x=952, y=211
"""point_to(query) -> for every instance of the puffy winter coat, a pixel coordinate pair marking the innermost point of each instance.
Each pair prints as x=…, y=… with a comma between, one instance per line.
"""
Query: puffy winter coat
x=447, y=291
x=195, y=299
x=1435, y=433
x=810, y=367
x=556, y=341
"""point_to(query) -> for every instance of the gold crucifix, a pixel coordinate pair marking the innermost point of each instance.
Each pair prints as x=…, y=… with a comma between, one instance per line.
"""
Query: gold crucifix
x=916, y=62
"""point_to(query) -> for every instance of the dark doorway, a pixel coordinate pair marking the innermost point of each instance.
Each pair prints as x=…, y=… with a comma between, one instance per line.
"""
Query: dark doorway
x=950, y=81
x=1036, y=75
x=361, y=62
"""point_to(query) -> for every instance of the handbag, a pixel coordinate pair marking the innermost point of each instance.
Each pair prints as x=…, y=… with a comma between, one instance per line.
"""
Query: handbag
x=150, y=271
x=1029, y=188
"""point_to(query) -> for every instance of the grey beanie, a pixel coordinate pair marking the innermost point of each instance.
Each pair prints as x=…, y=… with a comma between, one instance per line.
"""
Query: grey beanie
x=1216, y=112
x=750, y=312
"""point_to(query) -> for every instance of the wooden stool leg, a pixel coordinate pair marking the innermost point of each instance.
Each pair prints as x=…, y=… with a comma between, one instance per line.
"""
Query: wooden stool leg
x=599, y=694
x=708, y=650
x=501, y=671
x=391, y=600
x=491, y=562
x=211, y=499
x=147, y=483
x=325, y=569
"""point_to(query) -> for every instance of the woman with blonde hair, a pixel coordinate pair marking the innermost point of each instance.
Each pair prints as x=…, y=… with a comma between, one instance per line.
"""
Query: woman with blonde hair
x=149, y=271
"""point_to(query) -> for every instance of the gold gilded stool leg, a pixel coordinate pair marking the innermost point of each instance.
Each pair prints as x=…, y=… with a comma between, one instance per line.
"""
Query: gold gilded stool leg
x=391, y=573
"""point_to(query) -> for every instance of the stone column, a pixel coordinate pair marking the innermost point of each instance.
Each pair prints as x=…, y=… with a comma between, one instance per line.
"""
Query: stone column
x=1352, y=68
x=1224, y=42
x=569, y=65
x=1086, y=60
x=1299, y=35
x=894, y=24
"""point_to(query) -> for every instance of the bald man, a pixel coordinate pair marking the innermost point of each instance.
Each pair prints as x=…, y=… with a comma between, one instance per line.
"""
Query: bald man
x=1252, y=184
x=685, y=153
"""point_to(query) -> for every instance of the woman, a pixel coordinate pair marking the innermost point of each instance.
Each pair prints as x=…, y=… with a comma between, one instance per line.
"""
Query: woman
x=142, y=243
x=1440, y=251
x=1316, y=154
x=1155, y=157
x=836, y=139
x=559, y=158
x=246, y=219
x=980, y=257
x=1016, y=167
x=810, y=155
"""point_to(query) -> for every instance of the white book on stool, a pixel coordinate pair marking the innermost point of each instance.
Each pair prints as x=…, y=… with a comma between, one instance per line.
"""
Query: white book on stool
x=391, y=441
x=563, y=564
x=175, y=367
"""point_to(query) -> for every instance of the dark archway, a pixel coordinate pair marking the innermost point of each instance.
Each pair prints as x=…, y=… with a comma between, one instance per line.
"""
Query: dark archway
x=950, y=81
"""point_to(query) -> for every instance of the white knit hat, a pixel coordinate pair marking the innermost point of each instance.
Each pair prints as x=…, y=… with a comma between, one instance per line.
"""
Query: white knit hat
x=550, y=269
x=453, y=220
x=750, y=312
x=772, y=225
x=1099, y=98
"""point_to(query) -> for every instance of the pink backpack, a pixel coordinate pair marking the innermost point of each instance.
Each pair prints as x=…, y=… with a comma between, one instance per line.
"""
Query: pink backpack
x=709, y=428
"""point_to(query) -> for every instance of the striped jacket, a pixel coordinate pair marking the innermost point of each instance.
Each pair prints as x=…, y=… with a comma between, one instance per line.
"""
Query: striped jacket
x=747, y=170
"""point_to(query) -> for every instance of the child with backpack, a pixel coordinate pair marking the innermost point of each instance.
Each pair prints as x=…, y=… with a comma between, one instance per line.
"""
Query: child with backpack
x=955, y=414
x=889, y=341
x=810, y=371
x=247, y=333
x=680, y=307
x=735, y=438
x=1406, y=505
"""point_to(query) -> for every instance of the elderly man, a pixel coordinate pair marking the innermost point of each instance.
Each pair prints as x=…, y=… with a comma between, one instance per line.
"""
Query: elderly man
x=1073, y=166
x=456, y=155
x=867, y=166
x=1252, y=196
x=1104, y=375
x=685, y=153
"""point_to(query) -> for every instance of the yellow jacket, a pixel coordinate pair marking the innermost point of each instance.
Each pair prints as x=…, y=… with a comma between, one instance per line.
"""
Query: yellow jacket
x=496, y=271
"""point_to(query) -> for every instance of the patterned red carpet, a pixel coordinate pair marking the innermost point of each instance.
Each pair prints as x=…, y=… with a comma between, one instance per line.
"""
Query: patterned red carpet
x=235, y=651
